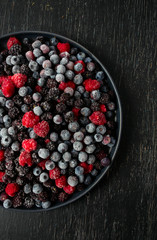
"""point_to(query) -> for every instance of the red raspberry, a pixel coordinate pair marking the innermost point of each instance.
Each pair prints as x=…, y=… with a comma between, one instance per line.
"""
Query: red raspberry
x=42, y=129
x=71, y=84
x=19, y=79
x=11, y=189
x=47, y=141
x=98, y=118
x=76, y=111
x=1, y=155
x=63, y=47
x=102, y=108
x=61, y=182
x=30, y=119
x=85, y=166
x=62, y=85
x=1, y=176
x=83, y=64
x=42, y=164
x=2, y=78
x=12, y=41
x=25, y=158
x=29, y=145
x=69, y=189
x=54, y=173
x=91, y=85
x=38, y=88
x=90, y=167
x=8, y=87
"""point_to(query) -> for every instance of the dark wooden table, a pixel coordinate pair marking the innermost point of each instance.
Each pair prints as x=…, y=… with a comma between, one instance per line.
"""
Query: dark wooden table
x=122, y=35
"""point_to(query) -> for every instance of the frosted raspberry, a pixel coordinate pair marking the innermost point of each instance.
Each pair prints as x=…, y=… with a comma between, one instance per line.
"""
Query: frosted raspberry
x=1, y=176
x=29, y=145
x=62, y=85
x=98, y=118
x=61, y=182
x=42, y=129
x=30, y=119
x=71, y=84
x=38, y=88
x=25, y=158
x=69, y=189
x=11, y=189
x=91, y=85
x=12, y=41
x=1, y=155
x=63, y=47
x=2, y=78
x=102, y=108
x=42, y=164
x=19, y=79
x=8, y=87
x=54, y=173
x=30, y=55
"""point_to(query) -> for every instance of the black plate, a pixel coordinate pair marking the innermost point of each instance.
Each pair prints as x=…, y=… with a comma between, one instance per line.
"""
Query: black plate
x=33, y=35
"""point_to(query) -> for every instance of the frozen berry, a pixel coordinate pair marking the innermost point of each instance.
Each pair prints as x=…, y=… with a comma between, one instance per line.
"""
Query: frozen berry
x=41, y=129
x=30, y=119
x=29, y=145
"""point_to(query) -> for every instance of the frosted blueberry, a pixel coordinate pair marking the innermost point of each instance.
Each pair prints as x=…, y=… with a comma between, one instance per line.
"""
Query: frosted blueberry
x=73, y=163
x=37, y=52
x=49, y=165
x=7, y=121
x=43, y=177
x=54, y=137
x=57, y=119
x=12, y=131
x=37, y=188
x=65, y=135
x=78, y=146
x=40, y=60
x=73, y=126
x=90, y=148
x=62, y=164
x=81, y=56
x=72, y=181
x=16, y=69
x=2, y=101
x=37, y=97
x=43, y=153
x=101, y=129
x=6, y=141
x=78, y=79
x=78, y=136
x=49, y=72
x=90, y=66
x=95, y=95
x=81, y=89
x=15, y=146
x=54, y=59
x=46, y=204
x=41, y=82
x=62, y=147
x=69, y=74
x=55, y=156
x=90, y=128
x=38, y=111
x=85, y=111
x=91, y=159
x=98, y=137
x=27, y=188
x=32, y=134
x=36, y=44
x=8, y=60
x=67, y=156
x=7, y=203
x=15, y=60
x=100, y=75
x=79, y=170
x=36, y=171
x=61, y=69
x=64, y=61
x=23, y=91
x=69, y=90
x=60, y=77
x=3, y=132
x=83, y=156
x=33, y=66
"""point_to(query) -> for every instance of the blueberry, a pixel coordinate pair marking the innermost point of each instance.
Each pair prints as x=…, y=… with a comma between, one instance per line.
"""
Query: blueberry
x=40, y=60
x=41, y=82
x=37, y=52
x=60, y=77
x=15, y=60
x=3, y=132
x=90, y=148
x=6, y=141
x=54, y=41
x=67, y=156
x=49, y=165
x=27, y=188
x=23, y=91
x=84, y=121
x=64, y=61
x=46, y=204
x=87, y=60
x=105, y=162
x=94, y=172
x=38, y=111
x=79, y=170
x=88, y=180
x=69, y=90
x=54, y=59
x=81, y=56
x=100, y=75
x=15, y=146
x=43, y=177
x=32, y=134
x=81, y=89
x=35, y=75
x=91, y=159
x=72, y=181
x=33, y=66
x=73, y=163
x=36, y=44
x=43, y=153
x=37, y=97
x=52, y=52
x=111, y=106
x=55, y=156
x=78, y=146
x=8, y=60
x=16, y=69
x=90, y=128
x=61, y=69
x=81, y=178
x=79, y=136
x=88, y=140
x=2, y=101
x=7, y=203
x=62, y=164
x=1, y=112
x=90, y=66
x=69, y=74
x=106, y=140
x=73, y=126
x=36, y=171
x=49, y=72
x=83, y=156
x=65, y=134
x=86, y=94
x=85, y=111
x=112, y=143
x=54, y=137
x=95, y=95
x=101, y=129
x=98, y=137
x=57, y=119
x=37, y=188
x=78, y=67
x=25, y=41
x=77, y=95
x=12, y=131
x=74, y=153
x=62, y=147
x=38, y=203
x=7, y=121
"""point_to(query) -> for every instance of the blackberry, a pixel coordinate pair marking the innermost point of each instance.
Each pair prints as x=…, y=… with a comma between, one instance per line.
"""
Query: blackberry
x=105, y=98
x=54, y=197
x=9, y=153
x=2, y=166
x=7, y=179
x=29, y=176
x=79, y=103
x=61, y=107
x=46, y=106
x=47, y=184
x=2, y=187
x=53, y=93
x=27, y=99
x=64, y=97
x=45, y=91
x=70, y=102
x=17, y=201
x=80, y=187
x=95, y=106
x=22, y=170
x=13, y=112
x=20, y=181
x=43, y=196
x=10, y=173
x=51, y=83
x=9, y=165
x=62, y=196
x=36, y=158
x=15, y=49
x=69, y=116
x=25, y=70
x=17, y=123
x=31, y=82
x=7, y=69
x=46, y=116
x=71, y=171
x=22, y=136
x=4, y=53
x=50, y=146
x=28, y=202
x=17, y=100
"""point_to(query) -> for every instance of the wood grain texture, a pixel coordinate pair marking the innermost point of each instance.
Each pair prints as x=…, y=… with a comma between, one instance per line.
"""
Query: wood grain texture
x=122, y=35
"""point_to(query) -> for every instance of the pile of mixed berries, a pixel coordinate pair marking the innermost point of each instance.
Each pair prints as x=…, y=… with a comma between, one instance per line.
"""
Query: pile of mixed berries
x=57, y=122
